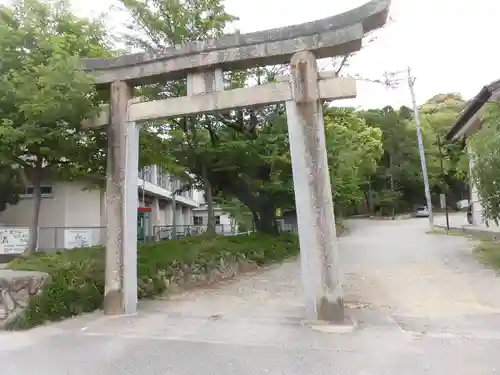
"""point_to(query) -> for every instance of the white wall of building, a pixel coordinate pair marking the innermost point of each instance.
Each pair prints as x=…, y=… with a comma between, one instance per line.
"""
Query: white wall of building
x=225, y=223
x=69, y=206
x=72, y=206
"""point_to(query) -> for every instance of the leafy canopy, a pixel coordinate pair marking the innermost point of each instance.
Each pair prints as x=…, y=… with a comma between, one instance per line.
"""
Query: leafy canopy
x=44, y=97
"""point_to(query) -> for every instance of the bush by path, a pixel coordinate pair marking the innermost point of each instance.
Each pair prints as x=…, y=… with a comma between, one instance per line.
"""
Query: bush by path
x=77, y=276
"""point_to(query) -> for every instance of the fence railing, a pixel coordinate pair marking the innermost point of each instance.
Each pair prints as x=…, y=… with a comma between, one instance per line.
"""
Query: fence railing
x=168, y=232
x=287, y=228
x=15, y=239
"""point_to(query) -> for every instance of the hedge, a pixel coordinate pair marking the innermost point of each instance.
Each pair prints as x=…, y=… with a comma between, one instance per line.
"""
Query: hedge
x=77, y=276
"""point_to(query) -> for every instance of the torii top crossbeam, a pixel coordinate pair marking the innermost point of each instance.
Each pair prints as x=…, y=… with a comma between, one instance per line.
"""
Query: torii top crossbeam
x=333, y=36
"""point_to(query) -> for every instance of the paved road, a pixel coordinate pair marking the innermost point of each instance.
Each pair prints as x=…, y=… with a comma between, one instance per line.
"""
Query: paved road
x=422, y=302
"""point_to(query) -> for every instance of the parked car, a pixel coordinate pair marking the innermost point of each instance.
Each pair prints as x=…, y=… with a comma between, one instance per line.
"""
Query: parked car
x=463, y=204
x=422, y=211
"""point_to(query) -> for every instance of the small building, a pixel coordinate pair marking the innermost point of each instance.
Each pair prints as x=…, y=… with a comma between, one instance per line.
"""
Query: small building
x=74, y=215
x=287, y=222
x=224, y=222
x=468, y=123
x=71, y=212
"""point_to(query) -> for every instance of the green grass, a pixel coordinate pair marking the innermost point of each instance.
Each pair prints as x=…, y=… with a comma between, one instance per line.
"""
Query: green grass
x=487, y=251
x=461, y=233
x=77, y=276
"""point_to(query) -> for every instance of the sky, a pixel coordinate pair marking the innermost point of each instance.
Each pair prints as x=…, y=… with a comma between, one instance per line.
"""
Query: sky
x=445, y=42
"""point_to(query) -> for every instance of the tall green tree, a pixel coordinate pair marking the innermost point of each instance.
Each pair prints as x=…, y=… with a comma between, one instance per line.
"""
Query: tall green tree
x=354, y=150
x=397, y=177
x=11, y=185
x=485, y=157
x=161, y=23
x=397, y=184
x=44, y=97
x=438, y=114
x=243, y=154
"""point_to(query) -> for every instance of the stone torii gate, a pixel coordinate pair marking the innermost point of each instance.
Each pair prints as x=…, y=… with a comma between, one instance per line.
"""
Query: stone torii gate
x=203, y=64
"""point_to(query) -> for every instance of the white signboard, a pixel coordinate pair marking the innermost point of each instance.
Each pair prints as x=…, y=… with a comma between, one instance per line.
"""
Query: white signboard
x=77, y=238
x=13, y=240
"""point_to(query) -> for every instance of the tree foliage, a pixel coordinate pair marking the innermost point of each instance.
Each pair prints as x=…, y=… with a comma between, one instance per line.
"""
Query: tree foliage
x=161, y=23
x=354, y=150
x=485, y=146
x=397, y=184
x=44, y=97
x=244, y=154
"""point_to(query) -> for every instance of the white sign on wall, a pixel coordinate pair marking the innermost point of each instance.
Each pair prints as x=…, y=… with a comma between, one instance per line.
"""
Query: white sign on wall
x=13, y=240
x=77, y=238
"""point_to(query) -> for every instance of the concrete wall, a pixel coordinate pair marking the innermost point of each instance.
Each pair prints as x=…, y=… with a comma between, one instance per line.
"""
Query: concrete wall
x=52, y=213
x=51, y=209
x=83, y=206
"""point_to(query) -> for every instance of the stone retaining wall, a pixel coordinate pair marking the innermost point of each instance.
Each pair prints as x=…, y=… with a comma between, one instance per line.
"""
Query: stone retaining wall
x=187, y=276
x=16, y=288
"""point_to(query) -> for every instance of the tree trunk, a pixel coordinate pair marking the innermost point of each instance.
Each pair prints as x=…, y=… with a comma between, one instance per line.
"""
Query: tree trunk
x=371, y=203
x=36, y=180
x=263, y=209
x=266, y=222
x=255, y=219
x=207, y=187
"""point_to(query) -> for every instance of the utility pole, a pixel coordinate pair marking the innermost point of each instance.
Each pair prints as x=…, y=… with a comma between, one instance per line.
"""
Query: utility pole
x=411, y=83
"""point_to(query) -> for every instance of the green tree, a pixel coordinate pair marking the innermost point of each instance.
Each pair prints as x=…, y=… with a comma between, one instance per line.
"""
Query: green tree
x=44, y=97
x=239, y=163
x=353, y=152
x=161, y=23
x=438, y=114
x=397, y=180
x=397, y=184
x=243, y=154
x=485, y=146
x=11, y=185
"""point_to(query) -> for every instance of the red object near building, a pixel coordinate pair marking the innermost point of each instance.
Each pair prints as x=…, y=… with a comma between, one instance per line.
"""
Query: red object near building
x=144, y=209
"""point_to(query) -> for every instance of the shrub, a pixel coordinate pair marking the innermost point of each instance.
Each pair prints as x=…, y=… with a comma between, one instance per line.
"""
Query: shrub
x=77, y=284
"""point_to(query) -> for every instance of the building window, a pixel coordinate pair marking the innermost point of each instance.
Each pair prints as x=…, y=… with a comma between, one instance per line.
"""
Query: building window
x=198, y=220
x=46, y=192
x=217, y=220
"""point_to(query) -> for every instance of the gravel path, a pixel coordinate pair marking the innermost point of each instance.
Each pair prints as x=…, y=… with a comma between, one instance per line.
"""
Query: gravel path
x=423, y=305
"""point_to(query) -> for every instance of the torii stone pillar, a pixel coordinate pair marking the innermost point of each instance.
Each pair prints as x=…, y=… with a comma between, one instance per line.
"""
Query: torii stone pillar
x=313, y=193
x=120, y=294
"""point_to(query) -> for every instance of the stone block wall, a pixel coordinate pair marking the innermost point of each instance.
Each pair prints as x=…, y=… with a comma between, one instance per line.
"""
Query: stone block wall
x=16, y=288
